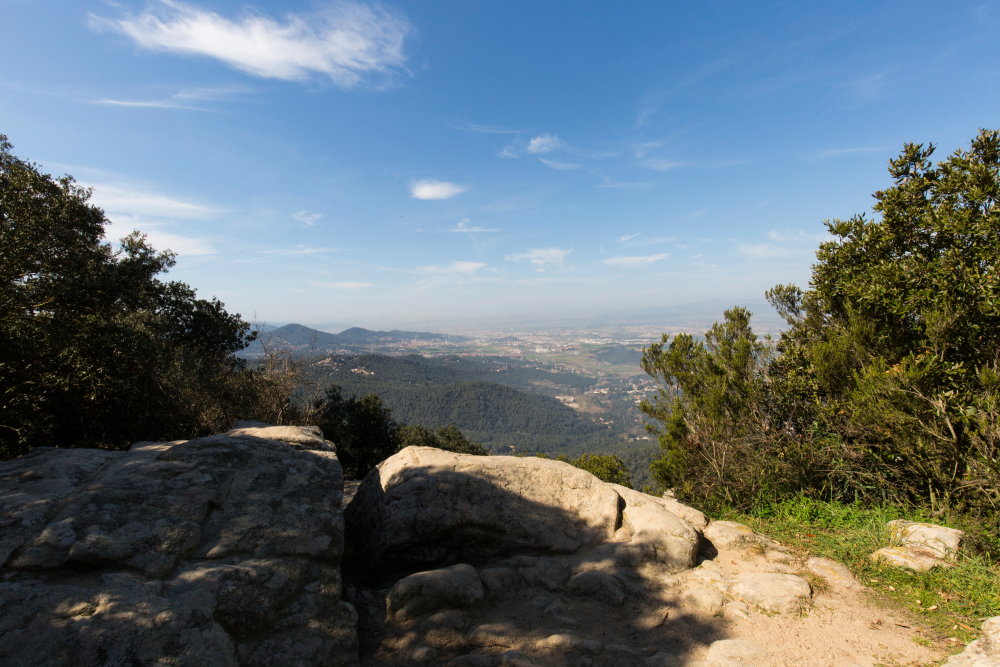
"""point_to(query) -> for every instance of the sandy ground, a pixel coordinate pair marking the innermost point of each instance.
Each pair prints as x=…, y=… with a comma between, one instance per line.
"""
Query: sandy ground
x=840, y=627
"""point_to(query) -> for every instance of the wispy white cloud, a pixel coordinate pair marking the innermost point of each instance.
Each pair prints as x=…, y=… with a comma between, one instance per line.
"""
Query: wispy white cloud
x=780, y=237
x=148, y=104
x=544, y=143
x=180, y=100
x=762, y=250
x=302, y=250
x=340, y=286
x=467, y=269
x=661, y=164
x=307, y=217
x=555, y=164
x=428, y=189
x=635, y=261
x=541, y=257
x=130, y=200
x=345, y=42
x=463, y=226
x=629, y=237
x=156, y=236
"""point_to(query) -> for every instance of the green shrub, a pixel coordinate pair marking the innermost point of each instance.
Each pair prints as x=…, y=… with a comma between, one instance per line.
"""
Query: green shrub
x=885, y=388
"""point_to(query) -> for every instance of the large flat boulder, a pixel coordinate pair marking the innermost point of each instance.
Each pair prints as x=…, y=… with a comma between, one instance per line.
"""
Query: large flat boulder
x=218, y=551
x=428, y=507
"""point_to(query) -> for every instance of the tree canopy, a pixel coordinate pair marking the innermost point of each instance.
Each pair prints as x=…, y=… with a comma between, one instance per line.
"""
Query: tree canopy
x=886, y=383
x=96, y=350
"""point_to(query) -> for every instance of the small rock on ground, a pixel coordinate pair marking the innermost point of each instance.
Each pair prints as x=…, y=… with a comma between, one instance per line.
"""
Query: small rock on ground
x=782, y=593
x=734, y=653
x=836, y=574
x=453, y=587
x=732, y=535
x=423, y=654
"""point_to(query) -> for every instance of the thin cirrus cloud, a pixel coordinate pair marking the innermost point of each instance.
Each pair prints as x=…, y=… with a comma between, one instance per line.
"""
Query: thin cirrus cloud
x=183, y=246
x=635, y=261
x=183, y=99
x=467, y=269
x=345, y=42
x=301, y=250
x=428, y=189
x=762, y=250
x=340, y=286
x=463, y=227
x=307, y=217
x=544, y=143
x=132, y=201
x=628, y=237
x=541, y=257
x=556, y=164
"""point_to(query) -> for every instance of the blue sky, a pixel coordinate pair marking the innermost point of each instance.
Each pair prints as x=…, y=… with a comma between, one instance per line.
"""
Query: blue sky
x=378, y=164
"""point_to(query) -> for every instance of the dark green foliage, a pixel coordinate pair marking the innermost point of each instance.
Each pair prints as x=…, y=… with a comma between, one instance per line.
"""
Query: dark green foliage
x=365, y=432
x=94, y=349
x=362, y=428
x=886, y=385
x=607, y=468
x=710, y=399
x=483, y=407
x=446, y=437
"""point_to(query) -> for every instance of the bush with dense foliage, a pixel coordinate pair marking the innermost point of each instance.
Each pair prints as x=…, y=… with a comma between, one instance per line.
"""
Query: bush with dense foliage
x=886, y=385
x=365, y=433
x=95, y=350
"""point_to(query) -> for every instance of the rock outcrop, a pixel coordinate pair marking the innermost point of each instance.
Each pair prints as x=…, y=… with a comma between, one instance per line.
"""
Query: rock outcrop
x=427, y=507
x=218, y=551
x=984, y=652
x=920, y=546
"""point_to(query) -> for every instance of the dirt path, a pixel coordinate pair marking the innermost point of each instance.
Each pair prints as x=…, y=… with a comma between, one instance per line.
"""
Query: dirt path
x=664, y=620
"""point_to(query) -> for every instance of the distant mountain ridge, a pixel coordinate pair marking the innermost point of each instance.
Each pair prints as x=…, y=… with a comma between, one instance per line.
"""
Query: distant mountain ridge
x=298, y=336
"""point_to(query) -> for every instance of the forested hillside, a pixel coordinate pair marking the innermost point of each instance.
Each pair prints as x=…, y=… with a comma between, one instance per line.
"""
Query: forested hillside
x=504, y=403
x=415, y=370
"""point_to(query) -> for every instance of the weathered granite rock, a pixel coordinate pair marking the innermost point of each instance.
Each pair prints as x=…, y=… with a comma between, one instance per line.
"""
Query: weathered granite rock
x=455, y=587
x=598, y=585
x=218, y=551
x=672, y=541
x=734, y=653
x=984, y=652
x=514, y=658
x=446, y=628
x=303, y=437
x=426, y=506
x=423, y=654
x=704, y=599
x=836, y=574
x=782, y=593
x=732, y=535
x=569, y=642
x=664, y=659
x=502, y=583
x=921, y=545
